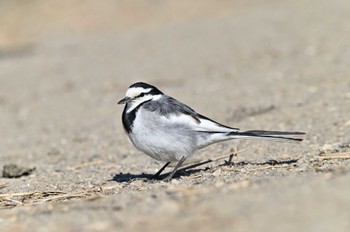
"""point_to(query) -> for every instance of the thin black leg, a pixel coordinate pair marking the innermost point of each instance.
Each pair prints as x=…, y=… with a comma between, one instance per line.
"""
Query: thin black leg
x=175, y=169
x=155, y=176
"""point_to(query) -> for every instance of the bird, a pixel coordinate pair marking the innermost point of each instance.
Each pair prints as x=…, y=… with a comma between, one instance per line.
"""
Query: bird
x=170, y=131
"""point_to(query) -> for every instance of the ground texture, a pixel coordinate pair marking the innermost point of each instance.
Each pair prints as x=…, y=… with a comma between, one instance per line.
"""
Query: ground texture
x=274, y=65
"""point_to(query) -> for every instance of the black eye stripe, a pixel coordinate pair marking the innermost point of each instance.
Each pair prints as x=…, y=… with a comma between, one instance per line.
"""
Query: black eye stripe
x=151, y=93
x=140, y=95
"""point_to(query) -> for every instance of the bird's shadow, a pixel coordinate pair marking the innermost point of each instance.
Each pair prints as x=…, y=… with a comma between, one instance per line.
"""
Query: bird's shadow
x=191, y=169
x=127, y=177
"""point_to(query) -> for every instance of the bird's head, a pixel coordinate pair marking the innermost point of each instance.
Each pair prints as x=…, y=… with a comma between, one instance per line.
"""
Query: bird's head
x=139, y=93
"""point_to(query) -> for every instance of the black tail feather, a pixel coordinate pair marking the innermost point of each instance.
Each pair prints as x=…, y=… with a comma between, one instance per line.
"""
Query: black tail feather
x=279, y=135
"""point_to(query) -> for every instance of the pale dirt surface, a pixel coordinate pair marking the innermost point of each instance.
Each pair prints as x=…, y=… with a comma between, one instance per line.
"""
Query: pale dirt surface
x=280, y=65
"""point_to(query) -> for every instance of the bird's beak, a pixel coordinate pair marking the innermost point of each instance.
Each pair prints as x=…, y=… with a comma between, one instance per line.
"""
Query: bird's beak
x=124, y=100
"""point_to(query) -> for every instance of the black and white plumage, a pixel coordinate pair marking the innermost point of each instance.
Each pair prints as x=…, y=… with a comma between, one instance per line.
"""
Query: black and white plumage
x=170, y=131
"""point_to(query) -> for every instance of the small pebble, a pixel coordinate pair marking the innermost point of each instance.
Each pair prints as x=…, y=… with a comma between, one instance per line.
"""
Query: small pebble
x=217, y=173
x=14, y=171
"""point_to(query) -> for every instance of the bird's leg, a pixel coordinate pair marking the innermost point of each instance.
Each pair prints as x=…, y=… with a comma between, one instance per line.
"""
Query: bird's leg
x=175, y=169
x=155, y=176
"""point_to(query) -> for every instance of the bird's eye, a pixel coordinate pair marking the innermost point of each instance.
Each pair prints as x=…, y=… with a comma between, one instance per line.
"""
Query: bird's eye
x=141, y=95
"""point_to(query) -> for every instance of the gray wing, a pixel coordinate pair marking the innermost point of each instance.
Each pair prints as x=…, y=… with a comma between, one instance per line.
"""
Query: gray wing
x=168, y=106
x=176, y=111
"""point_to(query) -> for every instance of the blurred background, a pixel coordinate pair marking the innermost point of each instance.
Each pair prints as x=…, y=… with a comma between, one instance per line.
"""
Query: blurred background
x=27, y=22
x=274, y=65
x=249, y=64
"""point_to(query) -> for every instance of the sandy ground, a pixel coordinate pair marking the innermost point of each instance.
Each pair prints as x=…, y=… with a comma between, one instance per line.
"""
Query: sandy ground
x=280, y=65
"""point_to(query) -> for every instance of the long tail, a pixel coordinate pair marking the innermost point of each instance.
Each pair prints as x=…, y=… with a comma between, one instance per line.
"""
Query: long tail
x=269, y=135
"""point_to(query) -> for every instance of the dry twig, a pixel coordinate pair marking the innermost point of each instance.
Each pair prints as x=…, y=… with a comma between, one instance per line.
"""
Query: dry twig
x=212, y=160
x=24, y=194
x=343, y=155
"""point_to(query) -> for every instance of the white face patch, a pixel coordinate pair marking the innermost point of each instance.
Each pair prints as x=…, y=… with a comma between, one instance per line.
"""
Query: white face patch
x=156, y=97
x=136, y=91
x=139, y=95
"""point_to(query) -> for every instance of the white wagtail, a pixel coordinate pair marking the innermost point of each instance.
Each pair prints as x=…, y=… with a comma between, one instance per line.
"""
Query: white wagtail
x=170, y=131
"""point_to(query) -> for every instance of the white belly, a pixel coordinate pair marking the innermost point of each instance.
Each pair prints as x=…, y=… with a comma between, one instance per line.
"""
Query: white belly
x=160, y=139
